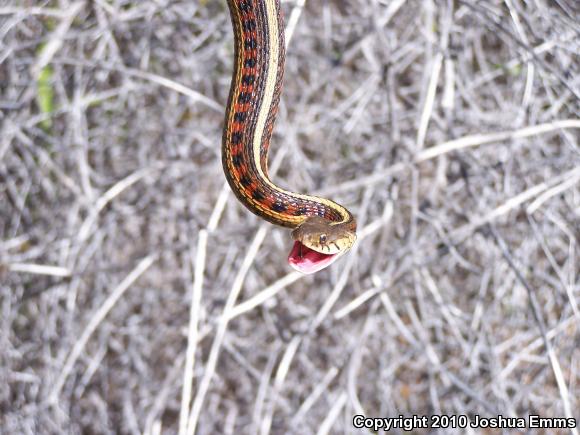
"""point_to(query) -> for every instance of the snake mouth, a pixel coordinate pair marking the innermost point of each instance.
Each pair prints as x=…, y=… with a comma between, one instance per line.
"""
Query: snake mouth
x=307, y=261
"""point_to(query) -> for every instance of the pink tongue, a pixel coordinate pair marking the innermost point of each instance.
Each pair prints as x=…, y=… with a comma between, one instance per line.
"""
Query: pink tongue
x=306, y=260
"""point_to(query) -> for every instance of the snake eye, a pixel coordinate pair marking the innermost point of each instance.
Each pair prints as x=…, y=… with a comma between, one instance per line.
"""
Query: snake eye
x=322, y=239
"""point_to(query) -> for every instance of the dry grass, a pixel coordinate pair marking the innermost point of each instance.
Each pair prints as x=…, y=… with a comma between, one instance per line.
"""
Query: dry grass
x=136, y=294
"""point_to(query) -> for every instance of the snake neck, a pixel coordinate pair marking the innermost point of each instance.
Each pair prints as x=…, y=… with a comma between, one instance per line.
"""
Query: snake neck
x=250, y=115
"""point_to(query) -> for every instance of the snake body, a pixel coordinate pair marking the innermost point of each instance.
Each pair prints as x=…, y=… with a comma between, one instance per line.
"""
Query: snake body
x=320, y=224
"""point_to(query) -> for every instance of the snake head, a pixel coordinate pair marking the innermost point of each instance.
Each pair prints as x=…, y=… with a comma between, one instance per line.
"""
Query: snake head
x=318, y=242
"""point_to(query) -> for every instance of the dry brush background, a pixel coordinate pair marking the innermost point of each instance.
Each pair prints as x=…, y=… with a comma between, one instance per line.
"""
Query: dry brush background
x=137, y=295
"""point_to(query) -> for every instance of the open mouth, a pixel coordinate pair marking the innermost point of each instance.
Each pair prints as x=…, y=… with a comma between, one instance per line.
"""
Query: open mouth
x=307, y=261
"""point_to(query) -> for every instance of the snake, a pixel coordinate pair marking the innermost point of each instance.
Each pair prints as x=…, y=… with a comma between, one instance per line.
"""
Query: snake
x=322, y=229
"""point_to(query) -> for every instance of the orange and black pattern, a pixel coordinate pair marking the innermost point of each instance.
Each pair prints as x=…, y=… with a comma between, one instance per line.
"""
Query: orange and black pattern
x=251, y=73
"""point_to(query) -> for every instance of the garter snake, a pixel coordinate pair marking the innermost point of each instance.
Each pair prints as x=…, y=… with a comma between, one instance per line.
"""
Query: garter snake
x=322, y=229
